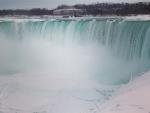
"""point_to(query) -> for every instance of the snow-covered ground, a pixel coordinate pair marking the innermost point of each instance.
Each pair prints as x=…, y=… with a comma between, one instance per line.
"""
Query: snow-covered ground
x=133, y=98
x=41, y=18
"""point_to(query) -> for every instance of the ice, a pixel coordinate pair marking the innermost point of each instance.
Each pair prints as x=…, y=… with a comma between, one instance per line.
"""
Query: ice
x=132, y=98
x=44, y=94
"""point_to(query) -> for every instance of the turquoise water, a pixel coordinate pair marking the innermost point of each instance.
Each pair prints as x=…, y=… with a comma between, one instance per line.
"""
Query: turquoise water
x=106, y=50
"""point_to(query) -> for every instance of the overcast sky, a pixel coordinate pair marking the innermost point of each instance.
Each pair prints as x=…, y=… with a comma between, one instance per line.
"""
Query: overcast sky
x=21, y=4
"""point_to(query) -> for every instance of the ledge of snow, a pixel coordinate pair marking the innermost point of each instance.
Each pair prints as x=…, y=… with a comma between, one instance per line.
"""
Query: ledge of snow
x=133, y=98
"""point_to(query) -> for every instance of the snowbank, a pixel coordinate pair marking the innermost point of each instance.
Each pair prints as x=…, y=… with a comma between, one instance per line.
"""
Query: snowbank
x=133, y=98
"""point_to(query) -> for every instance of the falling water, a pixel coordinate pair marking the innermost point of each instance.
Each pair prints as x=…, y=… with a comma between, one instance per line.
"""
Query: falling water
x=110, y=49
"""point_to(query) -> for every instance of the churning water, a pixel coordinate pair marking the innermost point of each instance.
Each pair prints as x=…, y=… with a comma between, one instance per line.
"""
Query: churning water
x=109, y=50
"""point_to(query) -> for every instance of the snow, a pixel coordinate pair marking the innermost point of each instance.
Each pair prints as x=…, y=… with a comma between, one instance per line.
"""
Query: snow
x=133, y=98
x=54, y=18
x=138, y=17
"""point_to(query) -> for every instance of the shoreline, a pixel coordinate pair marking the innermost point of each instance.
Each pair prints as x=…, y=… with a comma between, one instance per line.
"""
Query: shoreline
x=111, y=17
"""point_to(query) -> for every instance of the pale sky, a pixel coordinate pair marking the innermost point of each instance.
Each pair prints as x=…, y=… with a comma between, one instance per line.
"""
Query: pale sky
x=22, y=4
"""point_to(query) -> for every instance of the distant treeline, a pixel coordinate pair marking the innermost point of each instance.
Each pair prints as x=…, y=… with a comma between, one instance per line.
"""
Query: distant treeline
x=31, y=12
x=91, y=9
x=113, y=8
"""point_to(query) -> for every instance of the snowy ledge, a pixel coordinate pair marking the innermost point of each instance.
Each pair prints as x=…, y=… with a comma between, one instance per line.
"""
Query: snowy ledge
x=133, y=98
x=53, y=18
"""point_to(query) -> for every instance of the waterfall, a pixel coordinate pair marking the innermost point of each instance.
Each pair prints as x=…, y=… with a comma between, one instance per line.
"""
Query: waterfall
x=108, y=50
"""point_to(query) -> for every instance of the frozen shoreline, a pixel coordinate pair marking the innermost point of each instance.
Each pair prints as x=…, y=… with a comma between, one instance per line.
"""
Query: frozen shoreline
x=38, y=18
x=133, y=98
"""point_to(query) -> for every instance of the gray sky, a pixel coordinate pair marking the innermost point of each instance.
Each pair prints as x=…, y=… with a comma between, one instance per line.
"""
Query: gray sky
x=21, y=4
